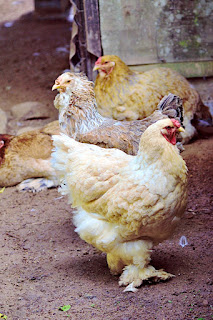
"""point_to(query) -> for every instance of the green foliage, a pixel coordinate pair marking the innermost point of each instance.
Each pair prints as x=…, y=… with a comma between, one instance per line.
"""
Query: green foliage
x=65, y=308
x=184, y=43
x=196, y=21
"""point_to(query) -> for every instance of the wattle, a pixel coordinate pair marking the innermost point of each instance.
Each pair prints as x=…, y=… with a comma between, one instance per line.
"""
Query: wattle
x=171, y=138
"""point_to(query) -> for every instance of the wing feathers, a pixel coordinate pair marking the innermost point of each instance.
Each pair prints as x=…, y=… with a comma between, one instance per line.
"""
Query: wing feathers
x=88, y=171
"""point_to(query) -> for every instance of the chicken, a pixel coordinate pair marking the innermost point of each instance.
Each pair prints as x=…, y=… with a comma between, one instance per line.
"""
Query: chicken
x=125, y=204
x=125, y=94
x=28, y=156
x=79, y=118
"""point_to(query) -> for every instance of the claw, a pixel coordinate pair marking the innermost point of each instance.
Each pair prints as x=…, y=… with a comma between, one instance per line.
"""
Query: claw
x=130, y=288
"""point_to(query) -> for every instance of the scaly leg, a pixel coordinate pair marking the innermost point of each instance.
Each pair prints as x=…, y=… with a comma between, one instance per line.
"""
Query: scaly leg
x=135, y=255
x=127, y=253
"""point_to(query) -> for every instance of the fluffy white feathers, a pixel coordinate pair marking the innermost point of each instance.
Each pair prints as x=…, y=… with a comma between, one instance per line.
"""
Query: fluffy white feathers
x=124, y=202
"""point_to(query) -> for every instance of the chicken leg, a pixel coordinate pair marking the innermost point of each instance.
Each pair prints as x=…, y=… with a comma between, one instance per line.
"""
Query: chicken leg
x=133, y=258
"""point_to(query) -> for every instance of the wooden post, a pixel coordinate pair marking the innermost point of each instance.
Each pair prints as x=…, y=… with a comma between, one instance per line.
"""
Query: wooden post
x=85, y=40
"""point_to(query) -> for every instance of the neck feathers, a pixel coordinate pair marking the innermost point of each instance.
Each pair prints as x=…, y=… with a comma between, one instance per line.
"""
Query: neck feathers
x=156, y=148
x=79, y=117
x=120, y=71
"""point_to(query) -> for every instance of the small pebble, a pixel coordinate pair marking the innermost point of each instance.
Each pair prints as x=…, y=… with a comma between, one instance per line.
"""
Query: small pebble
x=8, y=24
x=205, y=303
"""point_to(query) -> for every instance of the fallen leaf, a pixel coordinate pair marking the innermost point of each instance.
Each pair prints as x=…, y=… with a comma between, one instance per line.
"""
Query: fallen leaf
x=2, y=190
x=65, y=308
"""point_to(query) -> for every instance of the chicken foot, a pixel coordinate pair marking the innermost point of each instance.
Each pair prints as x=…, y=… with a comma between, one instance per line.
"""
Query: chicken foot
x=37, y=184
x=133, y=259
x=40, y=168
x=133, y=276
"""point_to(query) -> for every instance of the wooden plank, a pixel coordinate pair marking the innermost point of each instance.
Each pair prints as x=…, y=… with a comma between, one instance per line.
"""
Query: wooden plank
x=187, y=69
x=126, y=31
x=184, y=31
x=144, y=32
x=93, y=37
x=85, y=44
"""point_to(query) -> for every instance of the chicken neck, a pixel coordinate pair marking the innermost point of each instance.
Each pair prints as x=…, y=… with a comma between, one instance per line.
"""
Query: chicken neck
x=80, y=117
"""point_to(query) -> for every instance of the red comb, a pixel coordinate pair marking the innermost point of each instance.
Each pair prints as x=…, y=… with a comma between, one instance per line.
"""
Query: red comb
x=98, y=61
x=176, y=123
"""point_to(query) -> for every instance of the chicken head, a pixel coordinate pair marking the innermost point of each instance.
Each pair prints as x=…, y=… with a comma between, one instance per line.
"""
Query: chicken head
x=104, y=66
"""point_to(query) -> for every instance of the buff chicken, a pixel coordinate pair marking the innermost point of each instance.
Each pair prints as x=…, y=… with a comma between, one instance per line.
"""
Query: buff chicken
x=124, y=94
x=125, y=204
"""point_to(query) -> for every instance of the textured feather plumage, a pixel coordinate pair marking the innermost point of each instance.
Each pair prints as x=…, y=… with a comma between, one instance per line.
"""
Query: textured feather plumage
x=27, y=155
x=81, y=120
x=124, y=94
x=125, y=204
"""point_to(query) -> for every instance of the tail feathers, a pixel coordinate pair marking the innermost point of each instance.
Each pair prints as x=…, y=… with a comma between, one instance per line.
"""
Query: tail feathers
x=60, y=159
x=62, y=146
x=172, y=106
x=62, y=141
x=60, y=155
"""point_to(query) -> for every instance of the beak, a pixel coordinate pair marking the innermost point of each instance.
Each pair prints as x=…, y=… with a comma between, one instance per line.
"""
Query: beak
x=55, y=86
x=181, y=129
x=96, y=67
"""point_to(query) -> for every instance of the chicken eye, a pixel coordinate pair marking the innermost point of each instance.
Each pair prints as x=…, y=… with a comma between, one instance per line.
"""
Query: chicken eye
x=168, y=127
x=106, y=62
x=68, y=81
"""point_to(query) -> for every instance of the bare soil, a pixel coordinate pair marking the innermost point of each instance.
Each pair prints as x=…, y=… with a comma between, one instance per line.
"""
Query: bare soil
x=44, y=264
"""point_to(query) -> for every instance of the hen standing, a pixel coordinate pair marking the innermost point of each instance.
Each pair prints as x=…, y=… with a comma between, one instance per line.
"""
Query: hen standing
x=125, y=204
x=125, y=94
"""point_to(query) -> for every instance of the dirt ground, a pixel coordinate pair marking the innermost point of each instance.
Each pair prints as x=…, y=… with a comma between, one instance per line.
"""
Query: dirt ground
x=44, y=264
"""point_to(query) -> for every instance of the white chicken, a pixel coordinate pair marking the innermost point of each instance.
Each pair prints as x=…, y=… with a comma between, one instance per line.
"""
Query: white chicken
x=125, y=204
